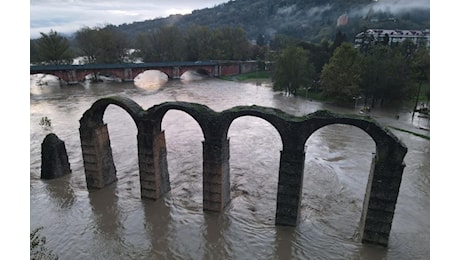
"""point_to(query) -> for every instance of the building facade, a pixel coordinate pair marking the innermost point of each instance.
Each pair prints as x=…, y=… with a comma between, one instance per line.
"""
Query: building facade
x=392, y=37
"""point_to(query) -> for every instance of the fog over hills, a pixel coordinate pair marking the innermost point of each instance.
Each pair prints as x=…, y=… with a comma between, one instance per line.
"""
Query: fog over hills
x=310, y=20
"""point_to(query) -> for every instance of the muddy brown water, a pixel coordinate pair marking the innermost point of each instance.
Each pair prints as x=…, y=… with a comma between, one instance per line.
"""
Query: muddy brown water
x=115, y=223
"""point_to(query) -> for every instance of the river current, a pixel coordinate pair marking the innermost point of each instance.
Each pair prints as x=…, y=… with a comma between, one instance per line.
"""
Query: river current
x=115, y=223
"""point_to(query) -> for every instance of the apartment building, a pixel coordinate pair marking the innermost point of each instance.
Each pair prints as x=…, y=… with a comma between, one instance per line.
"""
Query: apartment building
x=392, y=37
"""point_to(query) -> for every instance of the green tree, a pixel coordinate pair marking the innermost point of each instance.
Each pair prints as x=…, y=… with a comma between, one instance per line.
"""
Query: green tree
x=102, y=45
x=386, y=75
x=34, y=55
x=281, y=42
x=319, y=55
x=199, y=43
x=420, y=71
x=111, y=45
x=341, y=77
x=53, y=48
x=340, y=38
x=293, y=71
x=231, y=43
x=87, y=42
x=163, y=44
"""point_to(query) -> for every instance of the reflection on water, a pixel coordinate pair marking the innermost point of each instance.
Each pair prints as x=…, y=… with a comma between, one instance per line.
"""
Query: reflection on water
x=61, y=192
x=115, y=223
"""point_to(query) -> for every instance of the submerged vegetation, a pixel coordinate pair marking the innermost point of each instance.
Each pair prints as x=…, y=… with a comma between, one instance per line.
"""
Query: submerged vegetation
x=258, y=75
x=38, y=249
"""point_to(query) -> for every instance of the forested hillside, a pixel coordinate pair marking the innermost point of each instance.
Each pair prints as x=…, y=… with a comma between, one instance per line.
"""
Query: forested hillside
x=309, y=20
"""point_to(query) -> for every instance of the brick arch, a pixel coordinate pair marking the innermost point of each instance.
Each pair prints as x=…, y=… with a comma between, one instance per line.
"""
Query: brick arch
x=137, y=71
x=203, y=71
x=57, y=75
x=200, y=71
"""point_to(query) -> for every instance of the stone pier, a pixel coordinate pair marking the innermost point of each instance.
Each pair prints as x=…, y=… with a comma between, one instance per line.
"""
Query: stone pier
x=384, y=178
x=290, y=181
x=383, y=196
x=55, y=162
x=216, y=174
x=153, y=164
x=97, y=156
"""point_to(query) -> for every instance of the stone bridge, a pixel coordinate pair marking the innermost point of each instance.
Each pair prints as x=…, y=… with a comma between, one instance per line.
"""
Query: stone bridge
x=383, y=182
x=73, y=74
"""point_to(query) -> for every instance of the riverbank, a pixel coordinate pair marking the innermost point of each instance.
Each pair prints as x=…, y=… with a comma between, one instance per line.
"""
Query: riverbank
x=410, y=132
x=258, y=76
x=409, y=126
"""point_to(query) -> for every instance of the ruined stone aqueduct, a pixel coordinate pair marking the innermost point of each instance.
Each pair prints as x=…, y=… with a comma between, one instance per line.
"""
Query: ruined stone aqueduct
x=383, y=182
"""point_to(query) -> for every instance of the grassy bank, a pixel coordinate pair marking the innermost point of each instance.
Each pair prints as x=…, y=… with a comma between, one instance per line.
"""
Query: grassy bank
x=263, y=75
x=410, y=132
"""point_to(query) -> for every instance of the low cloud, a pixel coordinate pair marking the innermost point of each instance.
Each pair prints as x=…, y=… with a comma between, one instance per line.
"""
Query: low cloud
x=68, y=16
x=392, y=6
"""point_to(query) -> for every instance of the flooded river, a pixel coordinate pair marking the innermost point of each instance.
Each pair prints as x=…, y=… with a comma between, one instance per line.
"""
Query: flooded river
x=115, y=223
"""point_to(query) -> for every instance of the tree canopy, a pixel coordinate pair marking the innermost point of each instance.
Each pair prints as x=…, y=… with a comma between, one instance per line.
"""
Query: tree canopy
x=341, y=76
x=53, y=48
x=293, y=70
x=102, y=45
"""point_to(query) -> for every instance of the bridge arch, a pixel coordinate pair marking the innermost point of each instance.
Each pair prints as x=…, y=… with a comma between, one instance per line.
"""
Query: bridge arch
x=203, y=71
x=384, y=177
x=383, y=184
x=383, y=138
x=95, y=141
x=334, y=151
x=57, y=76
x=197, y=72
x=200, y=113
x=94, y=115
x=250, y=133
x=152, y=73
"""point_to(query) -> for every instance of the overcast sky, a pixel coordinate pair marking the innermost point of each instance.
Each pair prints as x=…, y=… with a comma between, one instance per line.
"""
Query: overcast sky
x=67, y=16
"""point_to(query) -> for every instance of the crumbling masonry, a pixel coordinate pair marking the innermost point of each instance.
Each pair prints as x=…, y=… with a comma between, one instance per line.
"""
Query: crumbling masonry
x=384, y=177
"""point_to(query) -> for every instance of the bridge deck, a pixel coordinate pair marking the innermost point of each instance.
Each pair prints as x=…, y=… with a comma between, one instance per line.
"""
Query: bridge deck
x=40, y=68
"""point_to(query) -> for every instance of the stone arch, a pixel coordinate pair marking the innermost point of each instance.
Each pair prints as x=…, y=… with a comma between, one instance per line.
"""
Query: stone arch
x=215, y=150
x=385, y=174
x=333, y=151
x=95, y=141
x=94, y=115
x=384, y=179
x=197, y=111
x=271, y=135
x=270, y=115
x=383, y=138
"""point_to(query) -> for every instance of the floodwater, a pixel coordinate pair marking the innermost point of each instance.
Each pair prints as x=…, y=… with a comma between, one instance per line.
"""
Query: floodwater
x=115, y=223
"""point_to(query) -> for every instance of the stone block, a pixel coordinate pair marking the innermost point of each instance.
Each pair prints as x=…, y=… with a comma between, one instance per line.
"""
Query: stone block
x=381, y=205
x=55, y=162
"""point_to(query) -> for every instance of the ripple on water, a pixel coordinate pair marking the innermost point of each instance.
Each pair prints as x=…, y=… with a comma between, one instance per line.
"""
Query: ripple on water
x=114, y=223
